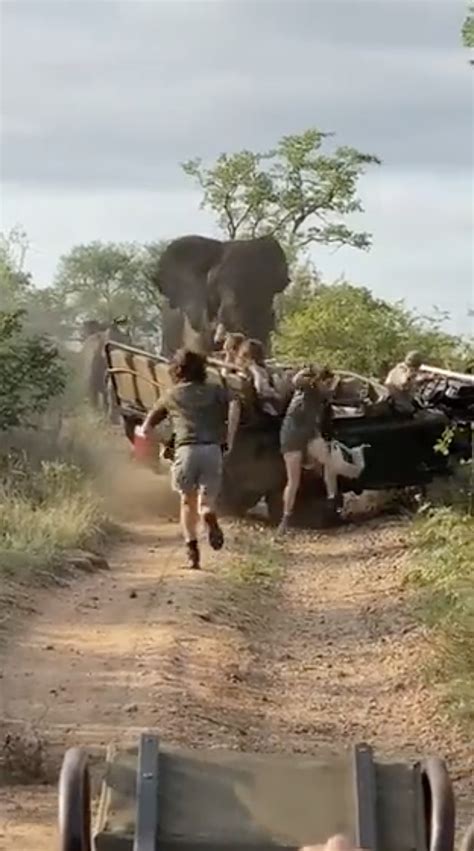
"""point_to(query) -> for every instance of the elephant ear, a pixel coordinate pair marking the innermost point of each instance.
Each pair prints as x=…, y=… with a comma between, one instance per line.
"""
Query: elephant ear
x=184, y=265
x=277, y=261
x=254, y=268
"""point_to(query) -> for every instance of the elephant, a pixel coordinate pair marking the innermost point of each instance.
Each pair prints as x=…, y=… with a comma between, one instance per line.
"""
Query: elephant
x=210, y=285
x=94, y=364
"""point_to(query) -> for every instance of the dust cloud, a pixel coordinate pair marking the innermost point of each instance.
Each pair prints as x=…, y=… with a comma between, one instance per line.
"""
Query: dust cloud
x=130, y=490
x=133, y=492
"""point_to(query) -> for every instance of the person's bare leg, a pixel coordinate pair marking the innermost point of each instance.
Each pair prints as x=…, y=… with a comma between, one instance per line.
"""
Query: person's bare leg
x=319, y=449
x=189, y=525
x=207, y=510
x=293, y=477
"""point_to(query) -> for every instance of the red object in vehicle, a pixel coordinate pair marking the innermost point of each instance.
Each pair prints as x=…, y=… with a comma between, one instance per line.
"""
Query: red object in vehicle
x=143, y=445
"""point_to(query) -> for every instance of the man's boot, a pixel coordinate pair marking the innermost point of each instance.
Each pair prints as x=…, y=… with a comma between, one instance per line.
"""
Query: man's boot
x=284, y=525
x=214, y=531
x=194, y=561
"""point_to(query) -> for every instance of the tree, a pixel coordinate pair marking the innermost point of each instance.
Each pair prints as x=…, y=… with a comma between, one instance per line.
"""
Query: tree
x=32, y=373
x=347, y=328
x=295, y=192
x=104, y=280
x=15, y=283
x=468, y=29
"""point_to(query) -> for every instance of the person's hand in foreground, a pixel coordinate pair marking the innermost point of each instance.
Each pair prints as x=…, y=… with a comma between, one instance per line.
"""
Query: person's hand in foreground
x=336, y=843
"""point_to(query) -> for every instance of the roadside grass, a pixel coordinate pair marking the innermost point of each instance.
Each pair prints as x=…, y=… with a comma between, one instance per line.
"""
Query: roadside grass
x=443, y=571
x=49, y=499
x=51, y=509
x=255, y=561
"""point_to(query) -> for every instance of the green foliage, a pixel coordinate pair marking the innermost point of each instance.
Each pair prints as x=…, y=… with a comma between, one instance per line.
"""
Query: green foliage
x=256, y=563
x=444, y=443
x=468, y=28
x=348, y=328
x=444, y=571
x=103, y=280
x=44, y=511
x=295, y=192
x=32, y=373
x=15, y=283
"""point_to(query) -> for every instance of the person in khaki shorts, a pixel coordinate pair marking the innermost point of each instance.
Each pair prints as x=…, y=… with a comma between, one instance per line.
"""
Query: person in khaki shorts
x=205, y=418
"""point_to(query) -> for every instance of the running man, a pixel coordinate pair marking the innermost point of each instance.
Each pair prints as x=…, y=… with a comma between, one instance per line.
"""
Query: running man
x=199, y=412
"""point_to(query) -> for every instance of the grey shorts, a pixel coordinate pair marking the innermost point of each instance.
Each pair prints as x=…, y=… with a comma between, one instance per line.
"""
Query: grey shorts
x=198, y=467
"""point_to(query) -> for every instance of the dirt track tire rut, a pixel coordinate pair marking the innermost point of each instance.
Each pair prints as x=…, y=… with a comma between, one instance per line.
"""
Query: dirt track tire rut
x=327, y=654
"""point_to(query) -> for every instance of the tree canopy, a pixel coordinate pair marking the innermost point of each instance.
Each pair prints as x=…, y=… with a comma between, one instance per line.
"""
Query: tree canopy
x=104, y=280
x=15, y=283
x=346, y=327
x=468, y=29
x=32, y=372
x=297, y=192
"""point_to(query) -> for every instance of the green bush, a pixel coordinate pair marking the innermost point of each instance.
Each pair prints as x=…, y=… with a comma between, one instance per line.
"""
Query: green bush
x=32, y=373
x=444, y=571
x=45, y=511
x=348, y=328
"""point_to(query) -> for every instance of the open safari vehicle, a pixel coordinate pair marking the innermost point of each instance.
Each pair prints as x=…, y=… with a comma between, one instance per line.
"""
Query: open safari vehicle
x=158, y=798
x=402, y=447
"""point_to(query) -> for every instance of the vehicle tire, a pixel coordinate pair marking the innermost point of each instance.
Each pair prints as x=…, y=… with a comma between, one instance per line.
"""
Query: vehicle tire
x=74, y=802
x=439, y=805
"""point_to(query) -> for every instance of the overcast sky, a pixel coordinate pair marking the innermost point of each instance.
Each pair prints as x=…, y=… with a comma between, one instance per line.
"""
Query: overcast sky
x=102, y=100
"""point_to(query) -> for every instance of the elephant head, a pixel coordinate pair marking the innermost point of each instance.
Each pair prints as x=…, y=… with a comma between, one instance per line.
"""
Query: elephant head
x=230, y=285
x=242, y=287
x=182, y=276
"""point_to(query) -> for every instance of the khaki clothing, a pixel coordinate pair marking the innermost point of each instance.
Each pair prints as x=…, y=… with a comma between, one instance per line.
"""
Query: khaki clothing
x=198, y=413
x=401, y=378
x=305, y=416
x=198, y=467
x=402, y=383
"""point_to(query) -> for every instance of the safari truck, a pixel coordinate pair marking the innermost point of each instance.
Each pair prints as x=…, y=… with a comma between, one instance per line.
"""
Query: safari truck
x=158, y=798
x=402, y=447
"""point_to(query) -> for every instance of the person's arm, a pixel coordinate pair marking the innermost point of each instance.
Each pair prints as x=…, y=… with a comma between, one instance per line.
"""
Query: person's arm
x=262, y=384
x=233, y=420
x=158, y=413
x=302, y=378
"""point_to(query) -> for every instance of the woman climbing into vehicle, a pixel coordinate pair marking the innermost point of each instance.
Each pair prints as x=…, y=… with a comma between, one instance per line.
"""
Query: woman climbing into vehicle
x=303, y=431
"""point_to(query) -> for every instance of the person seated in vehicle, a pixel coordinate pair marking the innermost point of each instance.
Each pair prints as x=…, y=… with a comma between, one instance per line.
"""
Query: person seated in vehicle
x=251, y=358
x=230, y=349
x=304, y=430
x=199, y=411
x=404, y=380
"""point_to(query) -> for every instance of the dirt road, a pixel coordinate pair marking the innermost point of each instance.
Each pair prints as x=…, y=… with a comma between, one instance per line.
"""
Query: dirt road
x=268, y=648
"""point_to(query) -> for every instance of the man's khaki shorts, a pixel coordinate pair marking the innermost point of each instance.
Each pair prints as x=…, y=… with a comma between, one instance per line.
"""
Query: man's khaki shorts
x=198, y=467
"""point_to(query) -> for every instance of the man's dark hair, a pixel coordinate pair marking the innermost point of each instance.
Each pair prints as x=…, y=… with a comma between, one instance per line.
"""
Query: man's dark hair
x=188, y=366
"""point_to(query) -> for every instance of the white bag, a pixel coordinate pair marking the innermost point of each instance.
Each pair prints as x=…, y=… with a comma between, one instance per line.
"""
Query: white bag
x=347, y=462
